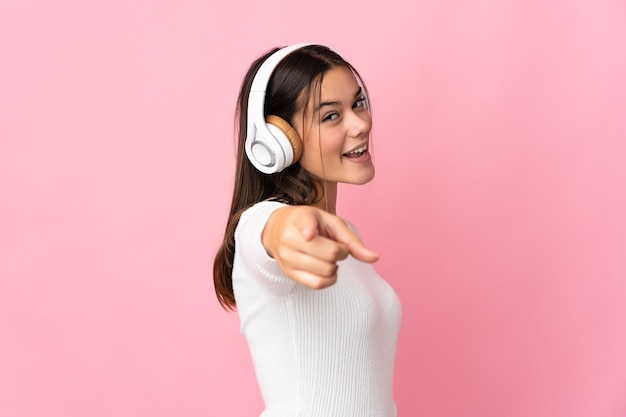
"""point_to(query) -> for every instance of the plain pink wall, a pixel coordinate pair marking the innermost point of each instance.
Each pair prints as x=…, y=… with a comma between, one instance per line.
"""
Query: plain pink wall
x=498, y=207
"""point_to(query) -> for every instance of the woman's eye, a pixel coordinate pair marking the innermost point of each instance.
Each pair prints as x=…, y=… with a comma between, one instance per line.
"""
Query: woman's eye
x=330, y=116
x=359, y=103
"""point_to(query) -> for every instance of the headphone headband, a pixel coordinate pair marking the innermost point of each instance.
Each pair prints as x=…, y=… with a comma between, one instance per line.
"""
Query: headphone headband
x=262, y=77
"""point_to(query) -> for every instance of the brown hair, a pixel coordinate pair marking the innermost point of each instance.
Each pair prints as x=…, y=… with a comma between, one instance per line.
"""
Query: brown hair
x=294, y=76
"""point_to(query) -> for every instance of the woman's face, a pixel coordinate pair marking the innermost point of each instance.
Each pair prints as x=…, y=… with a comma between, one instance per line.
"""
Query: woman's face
x=335, y=128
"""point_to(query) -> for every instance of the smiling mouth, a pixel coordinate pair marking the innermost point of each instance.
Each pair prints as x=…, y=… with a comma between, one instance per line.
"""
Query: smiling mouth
x=357, y=153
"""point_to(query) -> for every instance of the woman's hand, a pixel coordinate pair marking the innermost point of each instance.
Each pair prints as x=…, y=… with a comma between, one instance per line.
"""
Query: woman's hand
x=308, y=242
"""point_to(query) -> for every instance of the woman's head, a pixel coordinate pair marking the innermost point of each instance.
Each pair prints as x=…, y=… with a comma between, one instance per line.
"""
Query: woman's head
x=322, y=96
x=298, y=83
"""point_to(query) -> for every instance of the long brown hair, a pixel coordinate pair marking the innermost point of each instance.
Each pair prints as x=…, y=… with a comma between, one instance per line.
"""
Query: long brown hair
x=294, y=77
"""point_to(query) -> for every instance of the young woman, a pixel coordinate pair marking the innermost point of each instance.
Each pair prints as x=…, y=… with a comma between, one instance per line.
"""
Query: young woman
x=320, y=323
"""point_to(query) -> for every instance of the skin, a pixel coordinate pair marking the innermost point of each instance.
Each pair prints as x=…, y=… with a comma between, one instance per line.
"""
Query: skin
x=308, y=241
x=335, y=122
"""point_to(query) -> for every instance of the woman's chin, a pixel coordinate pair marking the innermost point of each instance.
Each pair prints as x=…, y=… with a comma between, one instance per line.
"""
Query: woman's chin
x=362, y=179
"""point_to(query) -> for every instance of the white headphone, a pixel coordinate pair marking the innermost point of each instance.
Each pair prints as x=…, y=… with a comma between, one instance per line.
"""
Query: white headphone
x=272, y=144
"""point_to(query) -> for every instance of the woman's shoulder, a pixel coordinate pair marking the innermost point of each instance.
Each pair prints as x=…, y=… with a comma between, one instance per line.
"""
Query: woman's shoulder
x=262, y=209
x=256, y=215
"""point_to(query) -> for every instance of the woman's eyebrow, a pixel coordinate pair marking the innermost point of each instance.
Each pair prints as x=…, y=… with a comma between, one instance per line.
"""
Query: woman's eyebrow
x=333, y=103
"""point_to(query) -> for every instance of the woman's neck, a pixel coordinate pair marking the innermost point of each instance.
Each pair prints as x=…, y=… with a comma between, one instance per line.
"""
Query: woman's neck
x=328, y=190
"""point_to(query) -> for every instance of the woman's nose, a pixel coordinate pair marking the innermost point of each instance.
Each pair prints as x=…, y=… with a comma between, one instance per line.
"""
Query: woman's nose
x=360, y=123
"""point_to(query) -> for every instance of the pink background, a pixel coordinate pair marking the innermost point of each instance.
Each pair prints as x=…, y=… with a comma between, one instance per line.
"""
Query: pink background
x=498, y=207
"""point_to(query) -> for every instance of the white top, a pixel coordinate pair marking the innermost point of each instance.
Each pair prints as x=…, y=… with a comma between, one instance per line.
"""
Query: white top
x=316, y=353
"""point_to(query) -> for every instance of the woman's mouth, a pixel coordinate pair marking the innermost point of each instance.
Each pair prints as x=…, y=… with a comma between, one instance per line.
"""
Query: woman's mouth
x=357, y=153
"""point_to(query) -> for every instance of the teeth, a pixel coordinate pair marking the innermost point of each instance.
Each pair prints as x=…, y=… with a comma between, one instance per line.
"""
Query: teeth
x=358, y=150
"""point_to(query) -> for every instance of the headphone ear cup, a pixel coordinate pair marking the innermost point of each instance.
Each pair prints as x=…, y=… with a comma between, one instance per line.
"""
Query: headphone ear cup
x=290, y=133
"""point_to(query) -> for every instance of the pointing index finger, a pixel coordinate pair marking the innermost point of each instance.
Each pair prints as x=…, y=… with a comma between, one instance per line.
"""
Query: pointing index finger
x=339, y=231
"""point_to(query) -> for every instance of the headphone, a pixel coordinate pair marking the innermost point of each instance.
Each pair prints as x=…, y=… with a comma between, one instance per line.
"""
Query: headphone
x=272, y=144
